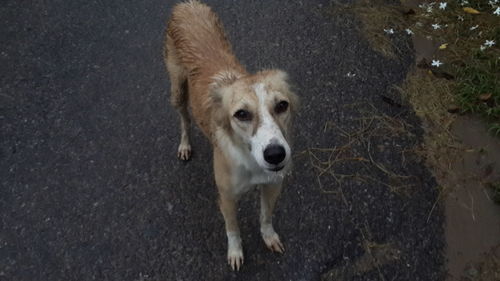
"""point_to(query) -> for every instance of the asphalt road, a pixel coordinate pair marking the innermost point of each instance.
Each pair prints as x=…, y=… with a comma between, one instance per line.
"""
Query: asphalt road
x=91, y=188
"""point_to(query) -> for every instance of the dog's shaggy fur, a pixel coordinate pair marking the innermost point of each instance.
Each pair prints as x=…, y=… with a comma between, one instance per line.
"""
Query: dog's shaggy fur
x=245, y=116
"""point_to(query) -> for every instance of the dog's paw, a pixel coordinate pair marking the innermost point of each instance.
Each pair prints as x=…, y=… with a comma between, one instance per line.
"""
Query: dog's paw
x=235, y=257
x=184, y=151
x=272, y=240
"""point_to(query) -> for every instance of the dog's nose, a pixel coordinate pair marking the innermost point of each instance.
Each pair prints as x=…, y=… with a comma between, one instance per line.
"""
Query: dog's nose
x=274, y=154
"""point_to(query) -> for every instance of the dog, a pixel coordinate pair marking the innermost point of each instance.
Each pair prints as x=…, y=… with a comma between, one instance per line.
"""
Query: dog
x=246, y=117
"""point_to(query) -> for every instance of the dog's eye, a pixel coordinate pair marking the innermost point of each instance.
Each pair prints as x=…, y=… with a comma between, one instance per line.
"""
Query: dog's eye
x=243, y=115
x=281, y=107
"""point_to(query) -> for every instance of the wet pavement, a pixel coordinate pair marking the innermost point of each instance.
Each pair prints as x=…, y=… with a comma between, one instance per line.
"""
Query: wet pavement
x=472, y=216
x=91, y=188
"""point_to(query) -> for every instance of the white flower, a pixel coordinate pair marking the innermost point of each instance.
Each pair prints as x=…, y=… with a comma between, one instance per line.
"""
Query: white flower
x=482, y=48
x=409, y=31
x=429, y=9
x=464, y=2
x=497, y=11
x=436, y=63
x=436, y=26
x=442, y=5
x=389, y=31
x=474, y=27
x=460, y=18
x=489, y=43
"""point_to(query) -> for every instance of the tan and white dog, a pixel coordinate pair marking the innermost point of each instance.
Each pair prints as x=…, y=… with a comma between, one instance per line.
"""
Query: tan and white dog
x=245, y=116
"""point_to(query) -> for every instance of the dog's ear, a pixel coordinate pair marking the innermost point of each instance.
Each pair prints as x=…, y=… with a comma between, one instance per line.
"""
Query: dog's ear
x=278, y=80
x=219, y=88
x=219, y=82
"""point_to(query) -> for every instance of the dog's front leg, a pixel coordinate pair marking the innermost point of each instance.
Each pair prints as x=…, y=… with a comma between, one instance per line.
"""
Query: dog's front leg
x=229, y=211
x=228, y=200
x=268, y=195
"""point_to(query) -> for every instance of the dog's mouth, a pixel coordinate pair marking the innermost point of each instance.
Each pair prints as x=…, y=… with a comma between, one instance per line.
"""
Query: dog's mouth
x=277, y=169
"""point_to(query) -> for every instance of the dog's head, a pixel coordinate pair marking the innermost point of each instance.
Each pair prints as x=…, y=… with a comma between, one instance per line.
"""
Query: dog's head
x=256, y=111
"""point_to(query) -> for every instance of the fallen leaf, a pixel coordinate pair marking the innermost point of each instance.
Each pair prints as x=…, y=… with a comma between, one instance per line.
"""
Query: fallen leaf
x=442, y=74
x=390, y=101
x=423, y=64
x=470, y=10
x=409, y=12
x=443, y=46
x=485, y=97
x=453, y=109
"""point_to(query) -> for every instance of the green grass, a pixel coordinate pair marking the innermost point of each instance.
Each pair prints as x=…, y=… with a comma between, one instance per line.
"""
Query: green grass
x=476, y=71
x=475, y=81
x=476, y=84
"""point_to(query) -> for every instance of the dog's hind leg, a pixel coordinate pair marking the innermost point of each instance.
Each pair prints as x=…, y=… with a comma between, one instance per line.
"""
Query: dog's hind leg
x=179, y=100
x=268, y=195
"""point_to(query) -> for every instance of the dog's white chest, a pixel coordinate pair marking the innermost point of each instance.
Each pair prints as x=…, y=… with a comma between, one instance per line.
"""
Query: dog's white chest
x=256, y=175
x=245, y=179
